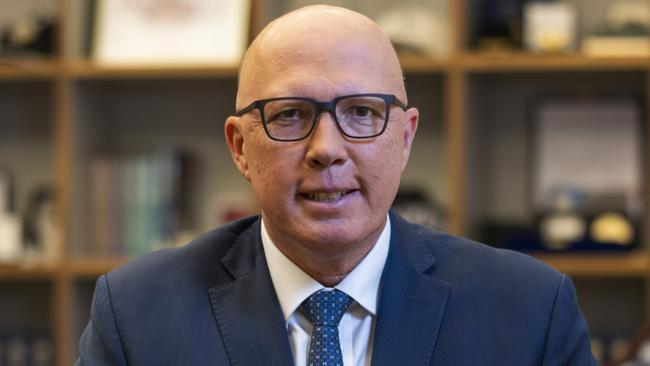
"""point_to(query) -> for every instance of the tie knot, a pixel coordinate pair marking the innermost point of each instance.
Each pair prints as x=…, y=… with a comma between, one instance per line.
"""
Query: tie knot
x=326, y=307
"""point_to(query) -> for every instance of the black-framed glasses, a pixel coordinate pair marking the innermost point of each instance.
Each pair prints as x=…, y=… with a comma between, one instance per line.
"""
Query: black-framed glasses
x=357, y=116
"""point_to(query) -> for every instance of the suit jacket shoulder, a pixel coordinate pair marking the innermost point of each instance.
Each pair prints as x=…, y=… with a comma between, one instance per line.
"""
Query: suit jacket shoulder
x=469, y=264
x=159, y=308
x=197, y=264
x=478, y=304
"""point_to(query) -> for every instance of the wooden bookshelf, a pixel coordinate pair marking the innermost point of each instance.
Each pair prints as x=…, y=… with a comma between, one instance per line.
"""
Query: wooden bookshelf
x=85, y=97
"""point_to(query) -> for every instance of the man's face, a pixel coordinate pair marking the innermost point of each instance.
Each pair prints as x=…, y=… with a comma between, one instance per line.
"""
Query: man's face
x=326, y=192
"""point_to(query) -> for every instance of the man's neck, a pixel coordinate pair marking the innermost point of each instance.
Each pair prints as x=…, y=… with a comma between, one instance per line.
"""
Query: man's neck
x=328, y=271
x=324, y=266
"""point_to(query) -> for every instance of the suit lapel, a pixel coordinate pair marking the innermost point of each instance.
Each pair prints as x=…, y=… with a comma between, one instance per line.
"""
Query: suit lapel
x=412, y=303
x=247, y=310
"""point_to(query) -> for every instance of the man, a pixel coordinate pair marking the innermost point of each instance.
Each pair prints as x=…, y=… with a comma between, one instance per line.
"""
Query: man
x=322, y=133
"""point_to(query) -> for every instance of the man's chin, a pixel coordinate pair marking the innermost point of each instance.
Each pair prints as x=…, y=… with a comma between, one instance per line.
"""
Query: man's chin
x=336, y=235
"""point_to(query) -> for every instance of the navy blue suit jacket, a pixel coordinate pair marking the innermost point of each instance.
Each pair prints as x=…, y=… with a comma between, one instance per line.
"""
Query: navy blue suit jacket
x=443, y=301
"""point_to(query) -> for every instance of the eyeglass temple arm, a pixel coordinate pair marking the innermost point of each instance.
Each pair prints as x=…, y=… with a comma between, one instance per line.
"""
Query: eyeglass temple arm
x=399, y=103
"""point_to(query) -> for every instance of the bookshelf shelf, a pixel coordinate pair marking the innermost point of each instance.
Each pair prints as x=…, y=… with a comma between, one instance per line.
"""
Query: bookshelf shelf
x=87, y=69
x=477, y=62
x=26, y=69
x=422, y=64
x=73, y=268
x=29, y=271
x=633, y=265
x=91, y=268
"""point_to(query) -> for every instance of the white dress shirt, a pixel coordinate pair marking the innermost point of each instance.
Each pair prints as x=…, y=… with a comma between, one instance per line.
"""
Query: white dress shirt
x=357, y=327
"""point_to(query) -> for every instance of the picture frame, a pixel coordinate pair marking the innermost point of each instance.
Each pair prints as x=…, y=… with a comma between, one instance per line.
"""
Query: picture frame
x=592, y=143
x=170, y=32
x=419, y=27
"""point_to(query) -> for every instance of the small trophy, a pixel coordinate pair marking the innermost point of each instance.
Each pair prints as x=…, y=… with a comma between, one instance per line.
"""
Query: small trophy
x=563, y=225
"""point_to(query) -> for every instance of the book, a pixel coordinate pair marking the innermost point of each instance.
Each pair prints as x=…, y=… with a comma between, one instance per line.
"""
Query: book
x=137, y=201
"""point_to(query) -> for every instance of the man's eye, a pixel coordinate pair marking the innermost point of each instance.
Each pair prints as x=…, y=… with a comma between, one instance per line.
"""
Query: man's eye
x=361, y=111
x=289, y=113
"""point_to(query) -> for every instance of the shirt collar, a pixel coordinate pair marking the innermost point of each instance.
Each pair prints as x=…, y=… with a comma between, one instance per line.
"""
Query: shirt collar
x=293, y=286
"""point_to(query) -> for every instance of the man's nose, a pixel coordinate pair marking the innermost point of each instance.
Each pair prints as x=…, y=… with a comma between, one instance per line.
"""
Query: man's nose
x=326, y=146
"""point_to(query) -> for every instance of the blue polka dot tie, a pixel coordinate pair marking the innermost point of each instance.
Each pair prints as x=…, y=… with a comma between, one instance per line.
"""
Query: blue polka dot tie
x=325, y=310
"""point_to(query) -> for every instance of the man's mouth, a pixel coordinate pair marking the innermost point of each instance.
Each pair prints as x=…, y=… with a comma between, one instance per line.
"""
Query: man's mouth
x=325, y=196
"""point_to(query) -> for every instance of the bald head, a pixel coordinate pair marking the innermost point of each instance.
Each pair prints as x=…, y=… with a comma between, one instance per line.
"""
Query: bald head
x=324, y=44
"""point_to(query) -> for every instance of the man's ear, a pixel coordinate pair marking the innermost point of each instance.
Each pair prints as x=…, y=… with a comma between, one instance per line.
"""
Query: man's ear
x=412, y=118
x=235, y=140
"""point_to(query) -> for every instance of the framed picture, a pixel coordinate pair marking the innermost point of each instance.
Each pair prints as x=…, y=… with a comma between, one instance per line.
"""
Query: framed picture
x=171, y=32
x=590, y=144
x=418, y=27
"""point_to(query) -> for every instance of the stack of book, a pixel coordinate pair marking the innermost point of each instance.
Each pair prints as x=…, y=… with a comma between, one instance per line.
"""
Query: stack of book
x=26, y=350
x=136, y=201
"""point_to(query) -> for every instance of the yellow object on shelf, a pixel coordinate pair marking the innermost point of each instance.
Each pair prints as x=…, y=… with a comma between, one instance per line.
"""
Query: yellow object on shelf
x=616, y=46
